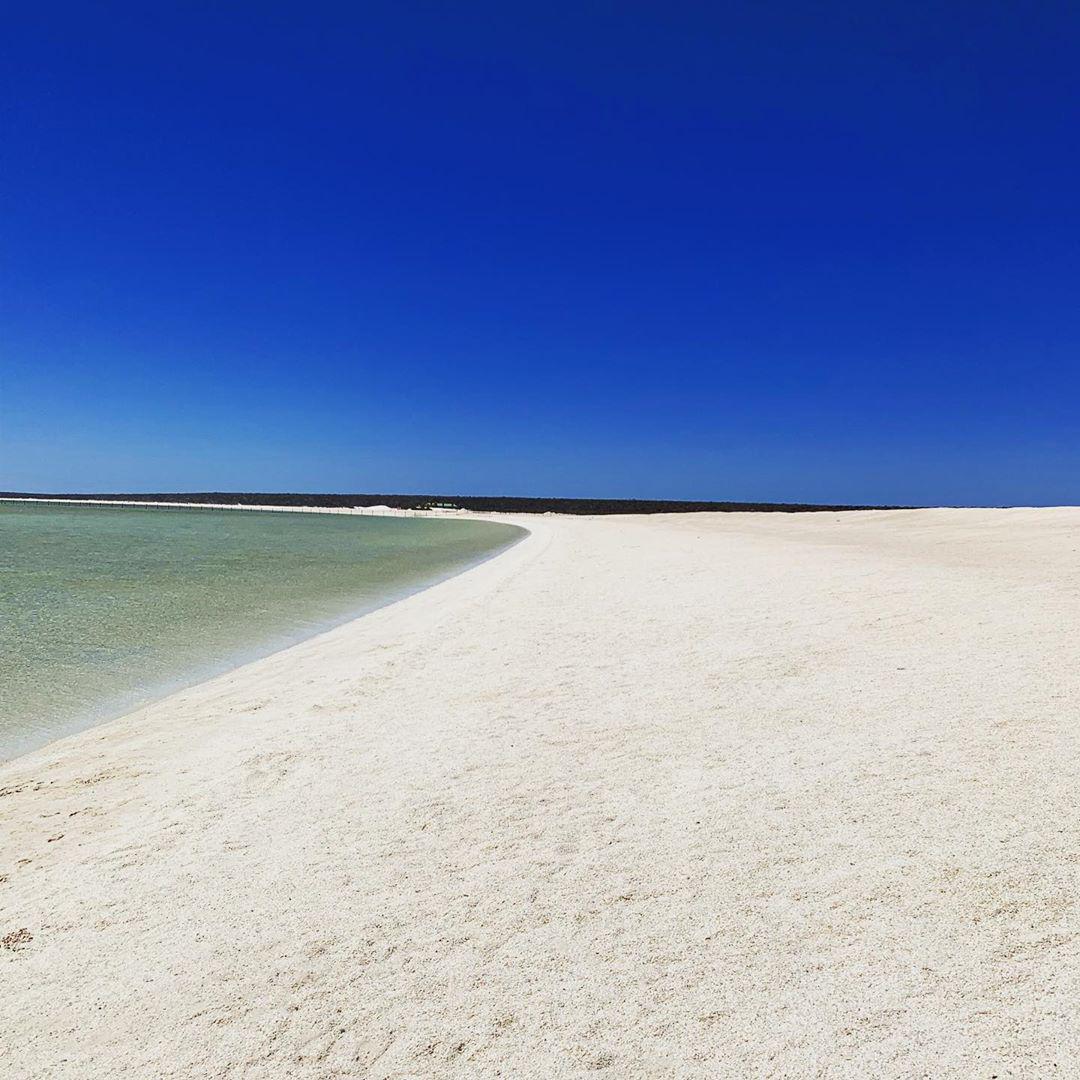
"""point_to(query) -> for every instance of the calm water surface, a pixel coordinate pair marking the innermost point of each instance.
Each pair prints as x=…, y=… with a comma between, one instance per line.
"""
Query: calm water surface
x=103, y=609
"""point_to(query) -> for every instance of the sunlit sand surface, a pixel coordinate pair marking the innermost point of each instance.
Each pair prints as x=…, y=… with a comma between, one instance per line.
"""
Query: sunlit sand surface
x=680, y=796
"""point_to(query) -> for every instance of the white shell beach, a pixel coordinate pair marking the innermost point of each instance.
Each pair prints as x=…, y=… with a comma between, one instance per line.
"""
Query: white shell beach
x=709, y=795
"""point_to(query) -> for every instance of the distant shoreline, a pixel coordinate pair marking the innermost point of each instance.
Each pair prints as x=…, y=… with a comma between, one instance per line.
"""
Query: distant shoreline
x=483, y=504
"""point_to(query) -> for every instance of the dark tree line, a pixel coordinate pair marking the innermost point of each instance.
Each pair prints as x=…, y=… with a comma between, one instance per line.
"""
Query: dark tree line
x=506, y=504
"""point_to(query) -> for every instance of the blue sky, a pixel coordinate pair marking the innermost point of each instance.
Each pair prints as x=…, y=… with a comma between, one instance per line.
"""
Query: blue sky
x=805, y=252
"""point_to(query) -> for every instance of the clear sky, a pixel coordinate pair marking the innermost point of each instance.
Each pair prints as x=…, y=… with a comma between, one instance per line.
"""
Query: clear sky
x=776, y=251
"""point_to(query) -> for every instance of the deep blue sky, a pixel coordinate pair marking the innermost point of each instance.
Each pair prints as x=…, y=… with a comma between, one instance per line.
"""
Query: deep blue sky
x=735, y=251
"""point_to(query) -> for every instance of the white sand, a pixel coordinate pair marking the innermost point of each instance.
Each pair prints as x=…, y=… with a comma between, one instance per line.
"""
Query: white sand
x=694, y=796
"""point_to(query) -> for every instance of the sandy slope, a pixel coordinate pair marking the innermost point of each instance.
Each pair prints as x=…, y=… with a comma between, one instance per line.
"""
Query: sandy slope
x=709, y=795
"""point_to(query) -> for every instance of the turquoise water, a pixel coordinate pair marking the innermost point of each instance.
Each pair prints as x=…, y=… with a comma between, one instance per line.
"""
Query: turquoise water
x=104, y=609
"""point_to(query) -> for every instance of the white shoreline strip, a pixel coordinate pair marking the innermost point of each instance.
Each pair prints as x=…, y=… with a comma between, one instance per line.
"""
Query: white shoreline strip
x=367, y=511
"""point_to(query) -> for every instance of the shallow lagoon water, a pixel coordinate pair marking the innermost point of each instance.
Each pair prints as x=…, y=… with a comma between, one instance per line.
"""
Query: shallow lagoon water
x=103, y=609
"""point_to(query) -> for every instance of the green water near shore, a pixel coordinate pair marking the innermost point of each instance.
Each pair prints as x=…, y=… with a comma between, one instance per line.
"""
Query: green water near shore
x=104, y=609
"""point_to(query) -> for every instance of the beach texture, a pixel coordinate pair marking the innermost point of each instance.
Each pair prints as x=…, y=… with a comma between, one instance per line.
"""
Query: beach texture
x=679, y=796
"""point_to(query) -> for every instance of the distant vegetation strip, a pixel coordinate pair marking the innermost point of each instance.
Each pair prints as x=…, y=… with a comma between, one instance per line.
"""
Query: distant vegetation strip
x=485, y=504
